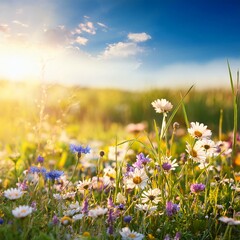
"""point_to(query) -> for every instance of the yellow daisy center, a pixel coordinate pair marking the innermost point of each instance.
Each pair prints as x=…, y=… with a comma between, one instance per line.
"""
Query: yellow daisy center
x=197, y=134
x=137, y=180
x=194, y=153
x=131, y=235
x=206, y=147
x=86, y=234
x=151, y=197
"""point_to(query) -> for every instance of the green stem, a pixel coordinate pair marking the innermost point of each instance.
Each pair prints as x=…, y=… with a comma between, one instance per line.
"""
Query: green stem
x=78, y=159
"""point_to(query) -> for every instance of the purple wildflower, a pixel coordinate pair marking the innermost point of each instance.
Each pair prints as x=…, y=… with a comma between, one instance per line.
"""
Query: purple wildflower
x=79, y=149
x=55, y=220
x=177, y=236
x=141, y=161
x=40, y=159
x=54, y=174
x=85, y=206
x=128, y=170
x=166, y=166
x=110, y=221
x=110, y=202
x=167, y=237
x=127, y=219
x=197, y=187
x=171, y=208
x=1, y=221
x=34, y=206
x=110, y=230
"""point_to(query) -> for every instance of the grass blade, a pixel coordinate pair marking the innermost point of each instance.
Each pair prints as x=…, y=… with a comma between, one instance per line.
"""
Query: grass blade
x=175, y=110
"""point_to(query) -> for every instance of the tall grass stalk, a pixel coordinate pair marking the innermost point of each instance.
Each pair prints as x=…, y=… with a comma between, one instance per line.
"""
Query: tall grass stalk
x=235, y=109
x=220, y=125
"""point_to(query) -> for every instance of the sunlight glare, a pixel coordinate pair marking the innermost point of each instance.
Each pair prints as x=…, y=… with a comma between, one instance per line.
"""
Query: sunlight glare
x=19, y=66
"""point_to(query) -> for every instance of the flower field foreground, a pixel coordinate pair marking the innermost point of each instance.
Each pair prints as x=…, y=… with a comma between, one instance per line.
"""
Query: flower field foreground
x=154, y=186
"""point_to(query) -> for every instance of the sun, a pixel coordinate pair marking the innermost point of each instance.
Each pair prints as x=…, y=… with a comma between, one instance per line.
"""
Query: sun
x=19, y=65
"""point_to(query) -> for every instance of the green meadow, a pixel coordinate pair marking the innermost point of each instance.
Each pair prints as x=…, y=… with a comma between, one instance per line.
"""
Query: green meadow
x=78, y=110
x=79, y=163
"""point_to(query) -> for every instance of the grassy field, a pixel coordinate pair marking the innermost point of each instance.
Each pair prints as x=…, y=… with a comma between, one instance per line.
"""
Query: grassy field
x=107, y=110
x=71, y=167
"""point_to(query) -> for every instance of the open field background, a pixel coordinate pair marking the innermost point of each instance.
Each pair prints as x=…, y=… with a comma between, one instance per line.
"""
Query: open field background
x=102, y=114
x=46, y=121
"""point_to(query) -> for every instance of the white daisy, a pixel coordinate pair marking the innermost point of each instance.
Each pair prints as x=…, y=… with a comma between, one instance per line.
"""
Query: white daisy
x=146, y=207
x=84, y=185
x=100, y=183
x=152, y=195
x=78, y=217
x=72, y=209
x=127, y=234
x=98, y=211
x=138, y=179
x=22, y=211
x=229, y=221
x=74, y=205
x=69, y=195
x=197, y=152
x=70, y=212
x=13, y=193
x=209, y=146
x=199, y=131
x=109, y=172
x=57, y=196
x=162, y=105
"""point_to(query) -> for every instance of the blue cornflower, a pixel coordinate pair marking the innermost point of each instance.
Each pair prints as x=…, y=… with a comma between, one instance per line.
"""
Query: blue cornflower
x=121, y=206
x=1, y=221
x=54, y=174
x=127, y=219
x=40, y=159
x=79, y=149
x=34, y=169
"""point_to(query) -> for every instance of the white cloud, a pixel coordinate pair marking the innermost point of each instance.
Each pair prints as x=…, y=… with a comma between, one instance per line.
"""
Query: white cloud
x=121, y=50
x=76, y=31
x=102, y=25
x=81, y=40
x=139, y=37
x=87, y=27
x=20, y=23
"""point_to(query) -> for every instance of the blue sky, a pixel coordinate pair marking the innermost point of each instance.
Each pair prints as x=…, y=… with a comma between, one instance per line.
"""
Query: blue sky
x=130, y=44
